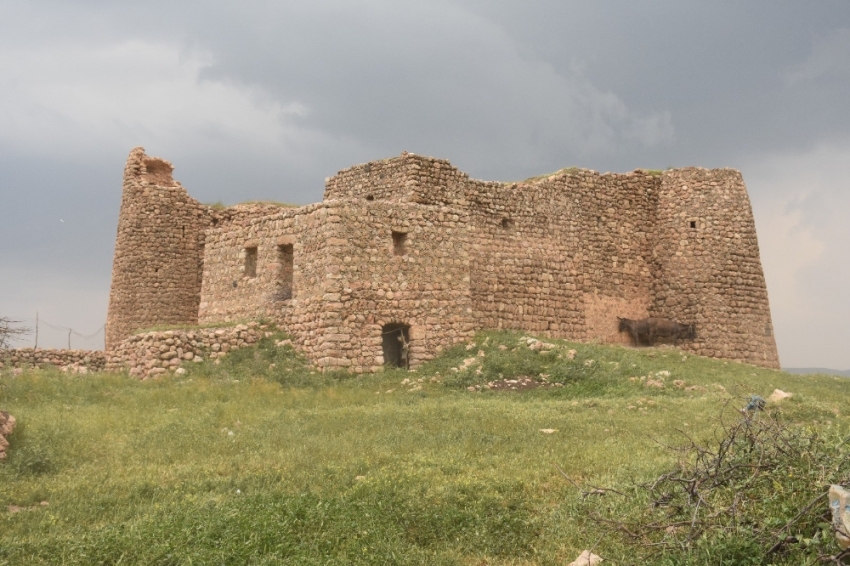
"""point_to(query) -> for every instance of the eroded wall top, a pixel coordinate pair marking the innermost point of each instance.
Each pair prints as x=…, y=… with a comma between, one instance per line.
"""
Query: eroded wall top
x=156, y=271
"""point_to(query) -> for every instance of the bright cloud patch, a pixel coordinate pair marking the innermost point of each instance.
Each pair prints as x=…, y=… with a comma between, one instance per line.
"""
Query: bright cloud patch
x=69, y=100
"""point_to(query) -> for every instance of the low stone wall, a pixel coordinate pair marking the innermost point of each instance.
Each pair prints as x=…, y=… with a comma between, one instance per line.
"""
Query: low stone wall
x=76, y=361
x=143, y=355
x=153, y=353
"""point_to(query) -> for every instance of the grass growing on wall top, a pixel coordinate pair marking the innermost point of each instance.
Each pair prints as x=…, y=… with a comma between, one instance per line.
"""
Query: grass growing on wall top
x=261, y=460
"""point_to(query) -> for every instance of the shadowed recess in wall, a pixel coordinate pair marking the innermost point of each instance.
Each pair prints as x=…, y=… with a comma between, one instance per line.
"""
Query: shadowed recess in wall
x=396, y=345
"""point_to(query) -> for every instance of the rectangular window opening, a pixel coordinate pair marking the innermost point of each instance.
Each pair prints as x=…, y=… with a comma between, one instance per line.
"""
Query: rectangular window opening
x=399, y=243
x=251, y=262
x=285, y=257
x=693, y=224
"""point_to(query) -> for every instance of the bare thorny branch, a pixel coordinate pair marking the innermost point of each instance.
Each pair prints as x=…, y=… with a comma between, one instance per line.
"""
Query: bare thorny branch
x=716, y=489
x=10, y=330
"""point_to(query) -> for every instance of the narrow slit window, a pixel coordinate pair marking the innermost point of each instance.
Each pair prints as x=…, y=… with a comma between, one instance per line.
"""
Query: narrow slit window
x=399, y=243
x=251, y=262
x=285, y=257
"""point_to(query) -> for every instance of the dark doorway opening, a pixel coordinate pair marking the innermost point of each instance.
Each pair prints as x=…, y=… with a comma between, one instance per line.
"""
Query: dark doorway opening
x=396, y=345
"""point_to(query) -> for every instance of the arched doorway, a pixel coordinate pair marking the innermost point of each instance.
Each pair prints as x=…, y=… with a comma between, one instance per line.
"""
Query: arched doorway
x=396, y=344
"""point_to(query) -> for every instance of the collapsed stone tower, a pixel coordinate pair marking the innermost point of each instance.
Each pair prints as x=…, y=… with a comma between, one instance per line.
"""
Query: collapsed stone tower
x=407, y=256
x=156, y=272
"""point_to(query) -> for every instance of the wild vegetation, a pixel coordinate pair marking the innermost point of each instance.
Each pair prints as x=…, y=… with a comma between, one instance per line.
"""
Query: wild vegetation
x=507, y=450
x=9, y=331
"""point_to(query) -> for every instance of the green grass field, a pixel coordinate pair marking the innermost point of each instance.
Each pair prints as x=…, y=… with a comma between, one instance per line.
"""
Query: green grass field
x=260, y=460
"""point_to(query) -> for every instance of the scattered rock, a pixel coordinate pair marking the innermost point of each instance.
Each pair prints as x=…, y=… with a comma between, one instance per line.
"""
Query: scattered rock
x=586, y=558
x=654, y=383
x=548, y=430
x=522, y=383
x=839, y=502
x=7, y=426
x=679, y=383
x=778, y=395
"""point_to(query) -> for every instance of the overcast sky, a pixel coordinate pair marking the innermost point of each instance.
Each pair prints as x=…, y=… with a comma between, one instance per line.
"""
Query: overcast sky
x=263, y=100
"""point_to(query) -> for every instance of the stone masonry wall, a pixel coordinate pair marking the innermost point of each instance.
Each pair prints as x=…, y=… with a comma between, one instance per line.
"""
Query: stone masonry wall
x=156, y=273
x=143, y=355
x=708, y=266
x=229, y=293
x=75, y=361
x=568, y=253
x=562, y=255
x=407, y=178
x=347, y=280
x=153, y=353
x=372, y=282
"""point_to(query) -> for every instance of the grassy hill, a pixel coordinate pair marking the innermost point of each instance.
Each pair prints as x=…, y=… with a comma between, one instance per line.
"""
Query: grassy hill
x=261, y=460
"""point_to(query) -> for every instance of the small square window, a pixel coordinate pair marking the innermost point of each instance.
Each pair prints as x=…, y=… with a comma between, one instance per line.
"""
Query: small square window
x=693, y=224
x=399, y=243
x=251, y=262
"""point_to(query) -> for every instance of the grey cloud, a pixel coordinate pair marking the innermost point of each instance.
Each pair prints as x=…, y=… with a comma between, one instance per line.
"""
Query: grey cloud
x=830, y=59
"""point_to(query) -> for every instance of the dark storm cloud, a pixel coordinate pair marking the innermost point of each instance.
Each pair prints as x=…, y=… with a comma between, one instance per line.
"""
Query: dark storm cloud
x=260, y=100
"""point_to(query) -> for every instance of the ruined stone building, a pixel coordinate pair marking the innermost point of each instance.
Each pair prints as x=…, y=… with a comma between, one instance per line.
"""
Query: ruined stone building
x=407, y=256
